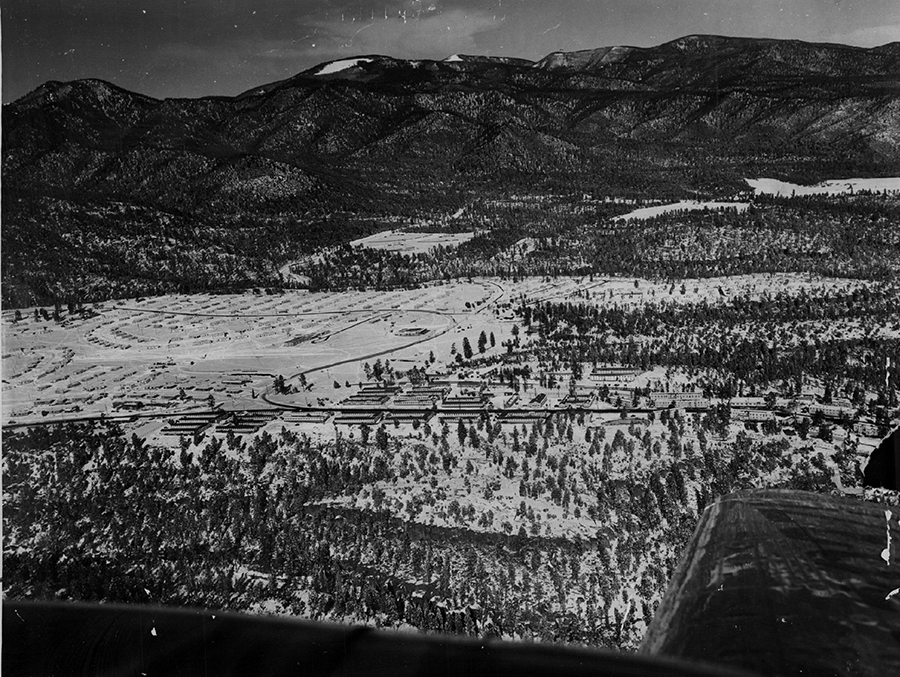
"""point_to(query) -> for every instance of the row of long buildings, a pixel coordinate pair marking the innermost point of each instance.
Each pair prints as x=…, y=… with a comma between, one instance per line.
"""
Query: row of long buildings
x=454, y=398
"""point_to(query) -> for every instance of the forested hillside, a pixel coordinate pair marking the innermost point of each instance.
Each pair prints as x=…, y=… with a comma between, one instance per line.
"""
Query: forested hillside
x=556, y=532
x=110, y=193
x=853, y=236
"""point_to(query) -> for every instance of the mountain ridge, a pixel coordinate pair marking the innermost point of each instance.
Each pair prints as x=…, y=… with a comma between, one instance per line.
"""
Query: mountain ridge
x=387, y=138
x=573, y=61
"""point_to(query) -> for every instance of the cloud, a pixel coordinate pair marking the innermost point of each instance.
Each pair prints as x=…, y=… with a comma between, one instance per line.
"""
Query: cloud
x=235, y=65
x=210, y=46
x=434, y=35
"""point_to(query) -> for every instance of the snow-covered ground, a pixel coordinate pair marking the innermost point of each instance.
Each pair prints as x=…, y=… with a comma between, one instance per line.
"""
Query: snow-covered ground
x=832, y=187
x=684, y=205
x=228, y=346
x=412, y=243
x=338, y=66
x=172, y=352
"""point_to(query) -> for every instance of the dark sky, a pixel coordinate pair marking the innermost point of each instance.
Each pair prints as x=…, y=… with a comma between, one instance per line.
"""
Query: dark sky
x=200, y=47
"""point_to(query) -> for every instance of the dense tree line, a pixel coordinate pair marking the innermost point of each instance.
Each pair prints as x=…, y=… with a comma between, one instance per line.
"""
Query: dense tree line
x=247, y=524
x=846, y=236
x=62, y=250
x=751, y=343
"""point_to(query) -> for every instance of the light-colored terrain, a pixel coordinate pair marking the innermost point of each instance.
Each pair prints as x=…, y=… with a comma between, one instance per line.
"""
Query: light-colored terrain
x=171, y=353
x=230, y=347
x=415, y=242
x=831, y=187
x=683, y=206
x=612, y=484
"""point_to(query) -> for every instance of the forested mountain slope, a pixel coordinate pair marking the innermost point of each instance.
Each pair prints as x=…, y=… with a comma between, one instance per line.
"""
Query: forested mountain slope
x=109, y=193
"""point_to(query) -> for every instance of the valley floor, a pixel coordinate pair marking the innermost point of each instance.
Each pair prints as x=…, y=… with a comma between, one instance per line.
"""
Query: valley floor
x=487, y=457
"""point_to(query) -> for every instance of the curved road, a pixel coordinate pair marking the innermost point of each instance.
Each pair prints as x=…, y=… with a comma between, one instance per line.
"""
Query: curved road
x=358, y=358
x=388, y=351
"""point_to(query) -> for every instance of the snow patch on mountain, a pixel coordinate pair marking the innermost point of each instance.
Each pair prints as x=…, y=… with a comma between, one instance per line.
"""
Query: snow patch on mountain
x=833, y=187
x=684, y=205
x=338, y=66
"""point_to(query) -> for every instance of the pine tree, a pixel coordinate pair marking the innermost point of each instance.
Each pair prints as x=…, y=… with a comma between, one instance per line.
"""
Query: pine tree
x=467, y=348
x=381, y=438
x=482, y=342
x=461, y=432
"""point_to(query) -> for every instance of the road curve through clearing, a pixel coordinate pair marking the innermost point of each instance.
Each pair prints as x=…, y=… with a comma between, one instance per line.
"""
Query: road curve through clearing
x=359, y=358
x=380, y=353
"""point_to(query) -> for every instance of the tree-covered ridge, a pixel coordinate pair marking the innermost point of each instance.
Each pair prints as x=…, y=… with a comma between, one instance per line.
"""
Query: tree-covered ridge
x=844, y=338
x=388, y=530
x=851, y=236
x=103, y=250
x=413, y=139
x=118, y=250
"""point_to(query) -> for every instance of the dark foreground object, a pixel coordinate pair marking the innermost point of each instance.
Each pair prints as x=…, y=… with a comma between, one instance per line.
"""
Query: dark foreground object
x=787, y=583
x=773, y=582
x=883, y=468
x=58, y=638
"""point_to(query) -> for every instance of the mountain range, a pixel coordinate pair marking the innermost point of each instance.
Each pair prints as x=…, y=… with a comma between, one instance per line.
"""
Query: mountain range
x=235, y=185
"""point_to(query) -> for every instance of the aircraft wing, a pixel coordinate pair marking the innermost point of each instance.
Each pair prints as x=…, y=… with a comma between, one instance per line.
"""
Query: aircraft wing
x=787, y=583
x=64, y=638
x=772, y=583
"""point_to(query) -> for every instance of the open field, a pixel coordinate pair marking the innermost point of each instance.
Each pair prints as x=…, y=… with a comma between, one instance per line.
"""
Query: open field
x=683, y=206
x=831, y=187
x=173, y=353
x=405, y=242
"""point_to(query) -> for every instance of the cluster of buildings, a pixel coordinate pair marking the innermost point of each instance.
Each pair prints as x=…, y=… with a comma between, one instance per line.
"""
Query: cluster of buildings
x=688, y=400
x=453, y=399
x=614, y=375
x=196, y=423
x=192, y=424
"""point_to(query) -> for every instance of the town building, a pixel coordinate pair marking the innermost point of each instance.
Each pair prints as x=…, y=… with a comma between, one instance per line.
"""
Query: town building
x=362, y=418
x=306, y=416
x=466, y=401
x=832, y=410
x=688, y=400
x=523, y=417
x=866, y=429
x=752, y=415
x=748, y=402
x=615, y=374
